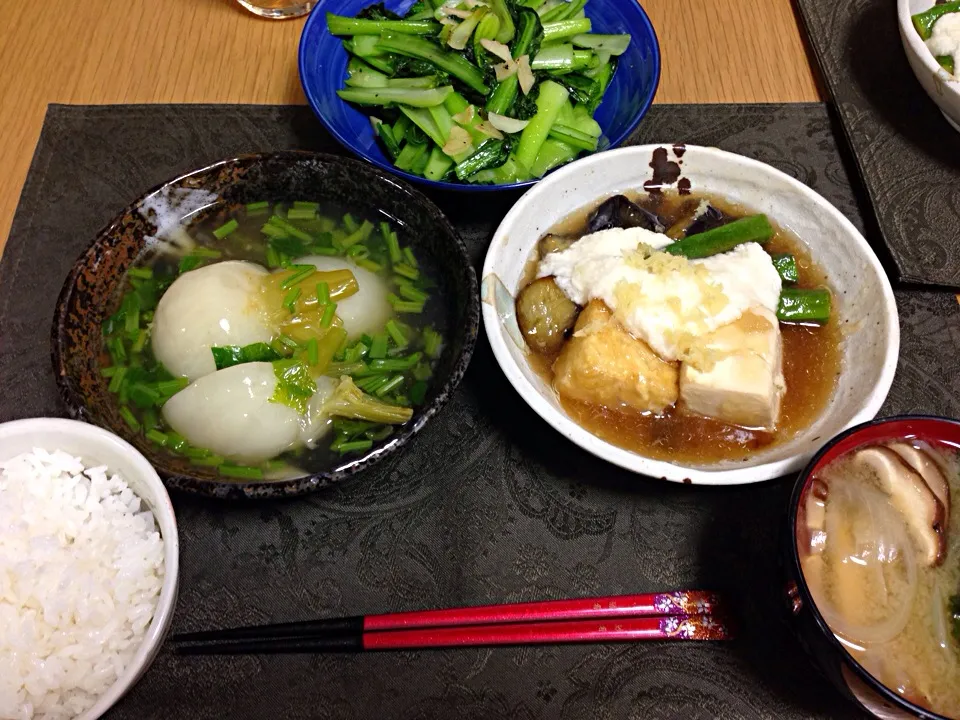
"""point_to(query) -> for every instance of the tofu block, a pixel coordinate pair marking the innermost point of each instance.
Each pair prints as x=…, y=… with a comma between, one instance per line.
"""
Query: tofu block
x=603, y=364
x=740, y=375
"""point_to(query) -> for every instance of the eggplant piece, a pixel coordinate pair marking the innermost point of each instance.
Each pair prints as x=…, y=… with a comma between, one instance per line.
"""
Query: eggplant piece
x=707, y=220
x=545, y=315
x=620, y=212
x=551, y=243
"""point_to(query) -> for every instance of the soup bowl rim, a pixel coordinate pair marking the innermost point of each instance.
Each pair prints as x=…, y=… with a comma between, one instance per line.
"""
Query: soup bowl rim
x=796, y=571
x=225, y=489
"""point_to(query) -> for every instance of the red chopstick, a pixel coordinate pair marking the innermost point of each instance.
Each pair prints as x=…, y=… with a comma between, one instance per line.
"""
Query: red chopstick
x=685, y=615
x=668, y=627
x=690, y=602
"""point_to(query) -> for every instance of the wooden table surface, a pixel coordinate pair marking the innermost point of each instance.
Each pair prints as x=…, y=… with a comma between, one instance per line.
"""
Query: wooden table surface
x=214, y=51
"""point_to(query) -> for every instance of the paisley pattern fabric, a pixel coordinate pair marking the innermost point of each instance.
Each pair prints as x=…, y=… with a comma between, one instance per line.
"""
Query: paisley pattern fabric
x=903, y=146
x=488, y=504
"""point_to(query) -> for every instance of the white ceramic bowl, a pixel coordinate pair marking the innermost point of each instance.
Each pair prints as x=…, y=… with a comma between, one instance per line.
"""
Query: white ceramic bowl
x=943, y=88
x=95, y=446
x=863, y=297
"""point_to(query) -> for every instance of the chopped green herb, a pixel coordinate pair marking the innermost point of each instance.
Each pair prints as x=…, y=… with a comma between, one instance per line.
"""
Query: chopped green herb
x=396, y=334
x=301, y=272
x=242, y=472
x=354, y=446
x=328, y=312
x=305, y=205
x=411, y=259
x=411, y=293
x=401, y=363
x=273, y=258
x=188, y=263
x=226, y=229
x=169, y=388
x=313, y=351
x=406, y=271
x=418, y=392
x=405, y=306
x=158, y=437
x=301, y=214
x=289, y=342
x=139, y=343
x=144, y=273
x=257, y=207
x=378, y=349
x=290, y=299
x=323, y=293
x=129, y=418
x=208, y=460
x=117, y=380
x=390, y=385
x=369, y=265
x=432, y=342
x=393, y=244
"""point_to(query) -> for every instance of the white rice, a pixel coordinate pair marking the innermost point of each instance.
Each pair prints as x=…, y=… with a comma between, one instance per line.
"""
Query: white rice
x=81, y=567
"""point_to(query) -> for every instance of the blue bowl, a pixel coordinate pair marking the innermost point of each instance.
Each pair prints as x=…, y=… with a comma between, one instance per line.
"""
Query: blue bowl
x=323, y=68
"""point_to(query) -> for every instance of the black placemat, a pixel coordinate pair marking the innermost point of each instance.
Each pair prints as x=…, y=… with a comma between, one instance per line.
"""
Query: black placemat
x=907, y=153
x=487, y=505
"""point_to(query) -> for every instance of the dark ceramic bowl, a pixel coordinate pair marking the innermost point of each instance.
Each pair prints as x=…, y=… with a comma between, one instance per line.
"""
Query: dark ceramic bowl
x=815, y=635
x=90, y=294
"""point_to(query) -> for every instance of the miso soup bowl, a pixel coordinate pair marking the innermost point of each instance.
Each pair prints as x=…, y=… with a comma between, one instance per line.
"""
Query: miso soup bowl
x=89, y=295
x=811, y=628
x=863, y=297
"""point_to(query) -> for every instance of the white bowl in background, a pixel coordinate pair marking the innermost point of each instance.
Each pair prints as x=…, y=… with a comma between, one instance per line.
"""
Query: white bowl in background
x=863, y=296
x=942, y=87
x=95, y=446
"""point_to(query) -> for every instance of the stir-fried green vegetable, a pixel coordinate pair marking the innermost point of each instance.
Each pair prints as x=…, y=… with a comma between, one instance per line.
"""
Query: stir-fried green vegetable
x=497, y=91
x=381, y=378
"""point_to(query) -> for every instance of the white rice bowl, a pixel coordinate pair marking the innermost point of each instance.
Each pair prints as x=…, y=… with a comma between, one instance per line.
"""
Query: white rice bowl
x=83, y=566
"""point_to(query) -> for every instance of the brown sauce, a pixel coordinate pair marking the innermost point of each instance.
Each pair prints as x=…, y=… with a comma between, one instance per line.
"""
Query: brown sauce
x=811, y=364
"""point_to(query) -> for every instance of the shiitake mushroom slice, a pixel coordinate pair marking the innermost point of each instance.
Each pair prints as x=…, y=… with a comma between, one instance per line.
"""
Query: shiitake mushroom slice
x=920, y=507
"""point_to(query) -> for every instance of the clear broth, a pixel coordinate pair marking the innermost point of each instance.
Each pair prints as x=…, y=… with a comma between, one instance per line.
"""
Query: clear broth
x=248, y=243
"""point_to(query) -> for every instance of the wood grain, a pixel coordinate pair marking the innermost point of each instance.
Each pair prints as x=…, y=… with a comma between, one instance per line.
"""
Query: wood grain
x=214, y=51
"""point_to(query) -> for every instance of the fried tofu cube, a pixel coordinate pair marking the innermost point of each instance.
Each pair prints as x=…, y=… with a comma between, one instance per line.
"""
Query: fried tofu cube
x=603, y=364
x=736, y=373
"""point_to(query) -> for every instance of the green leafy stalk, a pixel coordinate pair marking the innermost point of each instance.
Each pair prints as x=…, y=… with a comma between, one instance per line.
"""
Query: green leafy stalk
x=555, y=31
x=413, y=97
x=340, y=25
x=551, y=98
x=459, y=67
